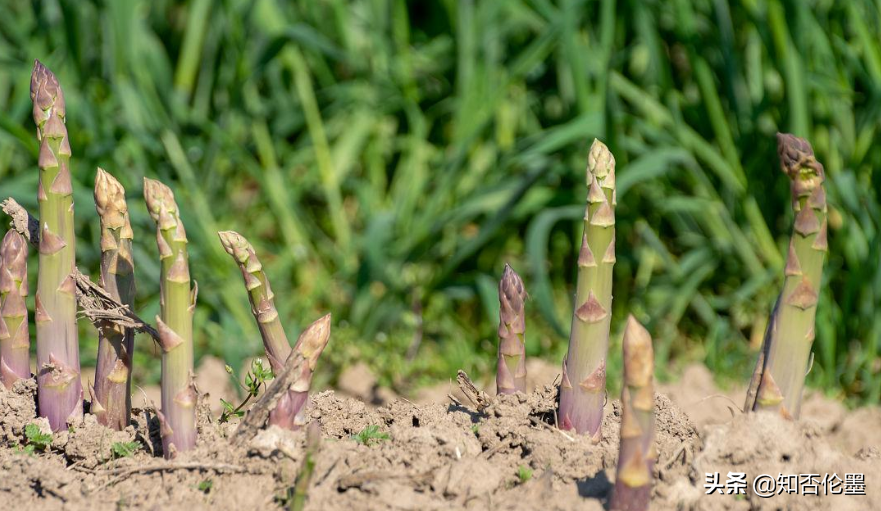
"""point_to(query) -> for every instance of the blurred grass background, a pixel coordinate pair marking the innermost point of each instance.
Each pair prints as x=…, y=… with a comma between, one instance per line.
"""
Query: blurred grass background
x=387, y=157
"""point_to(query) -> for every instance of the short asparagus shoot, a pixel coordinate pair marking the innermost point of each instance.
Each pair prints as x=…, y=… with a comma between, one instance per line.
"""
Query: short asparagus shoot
x=310, y=345
x=583, y=387
x=511, y=369
x=111, y=394
x=787, y=350
x=15, y=341
x=175, y=324
x=637, y=455
x=304, y=477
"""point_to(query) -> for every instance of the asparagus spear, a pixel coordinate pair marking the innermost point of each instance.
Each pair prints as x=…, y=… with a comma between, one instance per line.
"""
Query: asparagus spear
x=59, y=390
x=582, y=391
x=310, y=345
x=15, y=341
x=111, y=395
x=175, y=324
x=511, y=370
x=304, y=477
x=637, y=455
x=791, y=331
x=262, y=299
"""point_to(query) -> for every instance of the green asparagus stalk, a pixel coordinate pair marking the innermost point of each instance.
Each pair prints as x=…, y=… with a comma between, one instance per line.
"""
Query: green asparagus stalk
x=582, y=391
x=304, y=477
x=262, y=299
x=59, y=390
x=637, y=455
x=511, y=370
x=111, y=395
x=791, y=334
x=15, y=341
x=175, y=324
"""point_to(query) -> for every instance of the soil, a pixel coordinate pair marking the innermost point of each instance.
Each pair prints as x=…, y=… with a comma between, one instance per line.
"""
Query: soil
x=443, y=455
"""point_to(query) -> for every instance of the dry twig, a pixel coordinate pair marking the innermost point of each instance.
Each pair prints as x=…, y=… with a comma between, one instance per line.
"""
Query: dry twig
x=480, y=399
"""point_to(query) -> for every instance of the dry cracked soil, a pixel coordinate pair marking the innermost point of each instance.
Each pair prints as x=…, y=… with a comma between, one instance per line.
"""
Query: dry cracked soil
x=443, y=455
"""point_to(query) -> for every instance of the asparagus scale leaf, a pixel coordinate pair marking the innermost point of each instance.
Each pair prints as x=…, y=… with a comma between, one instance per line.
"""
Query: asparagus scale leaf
x=582, y=391
x=637, y=454
x=175, y=323
x=59, y=390
x=15, y=339
x=787, y=349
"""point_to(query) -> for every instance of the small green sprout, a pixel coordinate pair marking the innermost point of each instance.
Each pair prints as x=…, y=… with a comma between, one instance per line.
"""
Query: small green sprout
x=205, y=486
x=524, y=473
x=124, y=449
x=256, y=378
x=370, y=435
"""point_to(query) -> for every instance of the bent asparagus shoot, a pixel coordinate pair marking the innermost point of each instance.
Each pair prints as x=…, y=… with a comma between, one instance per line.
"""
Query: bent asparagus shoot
x=111, y=394
x=59, y=389
x=262, y=299
x=511, y=370
x=637, y=455
x=175, y=324
x=15, y=341
x=582, y=391
x=791, y=331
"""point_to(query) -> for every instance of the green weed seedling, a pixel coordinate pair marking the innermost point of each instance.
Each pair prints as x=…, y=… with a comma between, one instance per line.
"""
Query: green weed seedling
x=124, y=449
x=370, y=435
x=35, y=440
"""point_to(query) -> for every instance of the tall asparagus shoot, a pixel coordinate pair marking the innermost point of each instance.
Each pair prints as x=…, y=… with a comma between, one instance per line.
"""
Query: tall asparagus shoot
x=262, y=299
x=637, y=455
x=788, y=347
x=175, y=324
x=582, y=391
x=15, y=341
x=511, y=370
x=111, y=395
x=59, y=390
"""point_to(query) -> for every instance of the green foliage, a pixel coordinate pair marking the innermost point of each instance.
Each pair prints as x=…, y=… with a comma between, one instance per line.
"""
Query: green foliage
x=256, y=378
x=370, y=435
x=524, y=473
x=392, y=156
x=205, y=486
x=35, y=439
x=124, y=449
